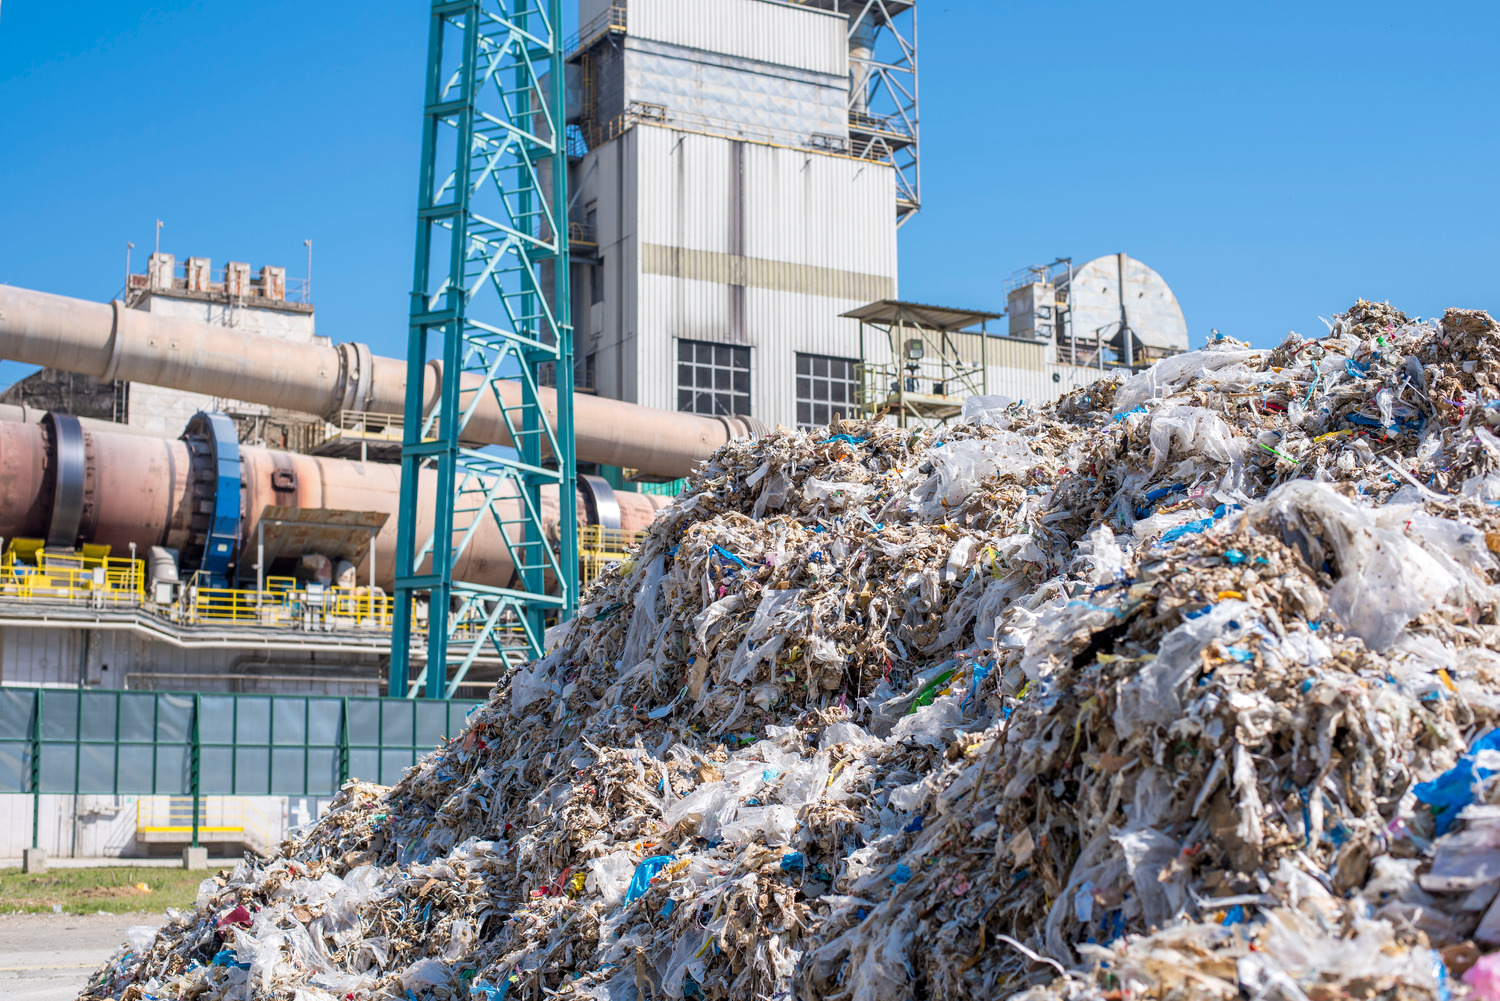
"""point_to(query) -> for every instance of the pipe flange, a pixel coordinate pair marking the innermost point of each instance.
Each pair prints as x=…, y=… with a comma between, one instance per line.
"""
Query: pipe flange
x=358, y=377
x=115, y=339
x=70, y=464
x=599, y=497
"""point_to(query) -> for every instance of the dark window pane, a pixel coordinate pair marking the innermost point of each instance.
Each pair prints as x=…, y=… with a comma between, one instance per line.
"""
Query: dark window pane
x=135, y=769
x=721, y=378
x=174, y=717
x=742, y=382
x=742, y=358
x=364, y=726
x=705, y=378
x=820, y=414
x=684, y=350
x=836, y=391
x=57, y=766
x=252, y=771
x=684, y=375
x=172, y=770
x=216, y=772
x=741, y=405
x=804, y=413
x=804, y=388
x=322, y=771
x=15, y=714
x=254, y=717
x=98, y=716
x=392, y=765
x=96, y=769
x=395, y=724
x=60, y=716
x=458, y=717
x=364, y=764
x=820, y=366
x=323, y=721
x=432, y=721
x=723, y=355
x=291, y=721
x=705, y=353
x=684, y=399
x=15, y=767
x=217, y=725
x=286, y=775
x=138, y=716
x=703, y=403
x=804, y=364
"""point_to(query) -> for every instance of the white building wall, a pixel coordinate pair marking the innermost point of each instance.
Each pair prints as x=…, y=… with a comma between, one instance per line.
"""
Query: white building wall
x=753, y=244
x=97, y=826
x=765, y=30
x=122, y=658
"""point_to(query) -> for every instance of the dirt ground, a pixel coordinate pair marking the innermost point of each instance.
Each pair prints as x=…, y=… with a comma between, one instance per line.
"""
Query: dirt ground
x=48, y=957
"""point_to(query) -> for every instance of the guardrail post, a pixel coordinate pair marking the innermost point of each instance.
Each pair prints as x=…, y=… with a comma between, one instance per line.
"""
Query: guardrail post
x=193, y=768
x=36, y=770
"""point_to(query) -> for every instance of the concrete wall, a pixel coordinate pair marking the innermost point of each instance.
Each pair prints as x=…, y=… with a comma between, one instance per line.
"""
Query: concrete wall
x=106, y=826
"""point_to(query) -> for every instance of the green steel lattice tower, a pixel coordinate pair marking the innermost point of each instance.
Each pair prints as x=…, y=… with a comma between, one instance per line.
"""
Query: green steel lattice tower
x=489, y=244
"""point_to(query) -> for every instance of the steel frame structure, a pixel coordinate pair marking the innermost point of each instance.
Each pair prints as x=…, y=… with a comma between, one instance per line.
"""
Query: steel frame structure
x=883, y=121
x=488, y=290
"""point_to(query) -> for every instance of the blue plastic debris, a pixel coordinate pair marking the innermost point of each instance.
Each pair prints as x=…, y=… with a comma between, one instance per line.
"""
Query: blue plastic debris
x=849, y=438
x=489, y=990
x=902, y=874
x=725, y=554
x=644, y=874
x=1453, y=790
x=1234, y=556
x=1191, y=528
x=225, y=957
x=913, y=825
x=792, y=862
x=1234, y=916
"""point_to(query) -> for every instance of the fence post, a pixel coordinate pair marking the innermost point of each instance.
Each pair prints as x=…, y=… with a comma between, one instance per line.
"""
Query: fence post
x=343, y=741
x=193, y=769
x=36, y=771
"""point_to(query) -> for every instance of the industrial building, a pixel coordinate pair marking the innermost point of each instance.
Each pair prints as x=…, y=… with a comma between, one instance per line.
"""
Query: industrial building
x=200, y=493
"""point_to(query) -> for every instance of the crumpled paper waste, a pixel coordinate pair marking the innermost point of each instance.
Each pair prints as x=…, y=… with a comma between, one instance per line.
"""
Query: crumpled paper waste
x=1182, y=686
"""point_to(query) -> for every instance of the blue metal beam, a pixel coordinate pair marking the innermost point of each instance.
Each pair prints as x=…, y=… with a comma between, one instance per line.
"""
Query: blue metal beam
x=488, y=300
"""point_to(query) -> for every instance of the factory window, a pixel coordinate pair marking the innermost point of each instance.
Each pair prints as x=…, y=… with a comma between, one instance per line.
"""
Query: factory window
x=826, y=387
x=596, y=282
x=713, y=378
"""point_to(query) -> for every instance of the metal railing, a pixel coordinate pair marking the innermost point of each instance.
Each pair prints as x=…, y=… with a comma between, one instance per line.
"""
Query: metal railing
x=34, y=575
x=599, y=548
x=220, y=818
x=613, y=18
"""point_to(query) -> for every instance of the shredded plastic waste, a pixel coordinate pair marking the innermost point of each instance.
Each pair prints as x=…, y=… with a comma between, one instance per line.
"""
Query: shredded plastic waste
x=1186, y=685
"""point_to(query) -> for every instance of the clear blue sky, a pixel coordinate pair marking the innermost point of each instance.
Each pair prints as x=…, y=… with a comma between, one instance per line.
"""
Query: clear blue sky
x=1272, y=160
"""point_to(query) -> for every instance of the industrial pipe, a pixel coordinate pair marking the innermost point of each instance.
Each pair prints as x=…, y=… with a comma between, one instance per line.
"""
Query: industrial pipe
x=111, y=341
x=150, y=491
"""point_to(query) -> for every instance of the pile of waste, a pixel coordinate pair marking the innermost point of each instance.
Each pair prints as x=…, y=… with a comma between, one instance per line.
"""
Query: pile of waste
x=1182, y=686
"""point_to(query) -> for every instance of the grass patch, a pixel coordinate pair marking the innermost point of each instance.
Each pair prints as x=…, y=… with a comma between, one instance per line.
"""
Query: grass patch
x=111, y=889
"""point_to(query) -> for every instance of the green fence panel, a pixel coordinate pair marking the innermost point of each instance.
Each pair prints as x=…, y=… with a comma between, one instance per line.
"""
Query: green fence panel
x=76, y=741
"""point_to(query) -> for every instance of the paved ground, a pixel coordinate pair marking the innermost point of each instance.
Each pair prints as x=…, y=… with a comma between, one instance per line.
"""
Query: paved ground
x=48, y=957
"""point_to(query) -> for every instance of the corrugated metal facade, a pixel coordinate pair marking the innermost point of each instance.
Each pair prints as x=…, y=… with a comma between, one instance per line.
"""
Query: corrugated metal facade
x=772, y=32
x=767, y=101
